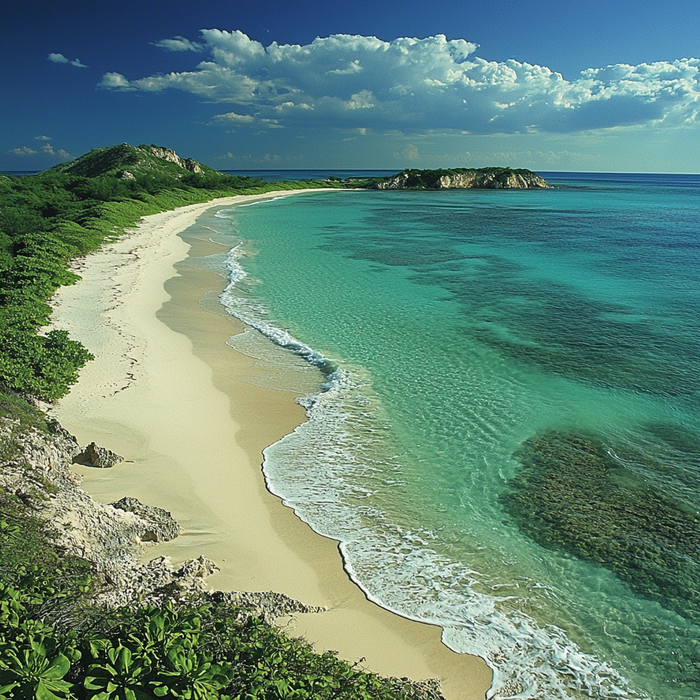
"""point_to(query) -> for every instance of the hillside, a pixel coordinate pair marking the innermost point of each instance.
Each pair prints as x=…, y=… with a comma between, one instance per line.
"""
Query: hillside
x=146, y=163
x=124, y=160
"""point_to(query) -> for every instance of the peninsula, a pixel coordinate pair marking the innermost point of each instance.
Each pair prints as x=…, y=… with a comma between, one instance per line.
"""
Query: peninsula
x=461, y=178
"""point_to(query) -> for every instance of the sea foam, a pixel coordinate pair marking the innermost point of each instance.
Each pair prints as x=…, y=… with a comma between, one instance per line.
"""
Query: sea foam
x=327, y=470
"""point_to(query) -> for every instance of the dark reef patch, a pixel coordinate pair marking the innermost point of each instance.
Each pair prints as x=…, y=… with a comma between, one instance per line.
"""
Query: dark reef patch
x=571, y=495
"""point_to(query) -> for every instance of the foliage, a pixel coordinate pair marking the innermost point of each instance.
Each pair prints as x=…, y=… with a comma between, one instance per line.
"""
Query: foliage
x=54, y=644
x=50, y=218
x=192, y=651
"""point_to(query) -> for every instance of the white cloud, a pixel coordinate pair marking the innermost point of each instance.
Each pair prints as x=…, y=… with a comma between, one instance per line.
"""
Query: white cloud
x=23, y=151
x=234, y=118
x=60, y=58
x=178, y=43
x=46, y=150
x=417, y=85
x=42, y=138
x=114, y=80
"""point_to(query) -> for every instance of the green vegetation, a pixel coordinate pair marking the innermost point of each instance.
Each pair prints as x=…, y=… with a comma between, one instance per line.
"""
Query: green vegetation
x=50, y=218
x=54, y=643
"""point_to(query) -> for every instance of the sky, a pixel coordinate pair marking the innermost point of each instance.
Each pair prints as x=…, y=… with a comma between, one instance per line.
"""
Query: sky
x=594, y=85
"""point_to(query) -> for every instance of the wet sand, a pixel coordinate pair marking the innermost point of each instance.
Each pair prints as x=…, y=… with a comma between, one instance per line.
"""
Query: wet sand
x=190, y=417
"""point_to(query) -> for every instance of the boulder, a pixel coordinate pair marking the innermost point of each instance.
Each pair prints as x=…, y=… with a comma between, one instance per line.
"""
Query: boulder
x=95, y=456
x=159, y=524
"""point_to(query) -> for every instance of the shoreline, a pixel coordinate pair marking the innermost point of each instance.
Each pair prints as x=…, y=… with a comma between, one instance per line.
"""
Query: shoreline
x=168, y=394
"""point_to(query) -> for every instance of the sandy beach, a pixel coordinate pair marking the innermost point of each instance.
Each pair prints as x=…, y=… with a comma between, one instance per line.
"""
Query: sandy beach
x=189, y=416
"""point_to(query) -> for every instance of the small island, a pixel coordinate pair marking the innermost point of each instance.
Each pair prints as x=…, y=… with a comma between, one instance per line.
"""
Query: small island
x=460, y=178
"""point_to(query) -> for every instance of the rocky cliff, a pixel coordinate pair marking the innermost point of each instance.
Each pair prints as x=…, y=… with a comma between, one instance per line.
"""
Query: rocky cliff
x=36, y=467
x=462, y=178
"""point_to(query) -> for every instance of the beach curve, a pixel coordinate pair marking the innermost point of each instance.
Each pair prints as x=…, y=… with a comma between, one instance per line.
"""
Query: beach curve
x=167, y=393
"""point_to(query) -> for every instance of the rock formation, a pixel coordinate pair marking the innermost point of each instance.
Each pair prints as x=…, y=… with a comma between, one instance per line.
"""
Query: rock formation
x=168, y=154
x=462, y=178
x=95, y=456
x=111, y=536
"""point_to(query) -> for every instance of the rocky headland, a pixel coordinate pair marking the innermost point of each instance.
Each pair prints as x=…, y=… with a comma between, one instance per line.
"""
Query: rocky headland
x=462, y=178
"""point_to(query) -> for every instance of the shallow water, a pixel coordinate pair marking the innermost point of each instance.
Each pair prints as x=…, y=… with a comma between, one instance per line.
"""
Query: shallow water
x=508, y=426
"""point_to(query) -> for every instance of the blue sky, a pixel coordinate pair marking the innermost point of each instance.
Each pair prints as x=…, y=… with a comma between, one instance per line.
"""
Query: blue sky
x=593, y=86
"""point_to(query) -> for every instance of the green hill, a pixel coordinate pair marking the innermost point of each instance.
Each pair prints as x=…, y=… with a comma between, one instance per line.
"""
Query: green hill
x=126, y=161
x=147, y=166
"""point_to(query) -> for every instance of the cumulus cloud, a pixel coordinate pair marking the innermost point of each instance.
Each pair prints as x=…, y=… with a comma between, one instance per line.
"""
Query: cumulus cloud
x=178, y=43
x=42, y=138
x=46, y=150
x=417, y=85
x=23, y=151
x=234, y=119
x=114, y=80
x=60, y=58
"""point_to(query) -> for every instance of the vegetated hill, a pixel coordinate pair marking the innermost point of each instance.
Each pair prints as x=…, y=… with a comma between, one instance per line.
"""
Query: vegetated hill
x=67, y=211
x=461, y=178
x=125, y=161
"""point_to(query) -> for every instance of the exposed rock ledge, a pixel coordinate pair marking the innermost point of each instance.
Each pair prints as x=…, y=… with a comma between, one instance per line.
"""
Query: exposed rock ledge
x=111, y=536
x=463, y=178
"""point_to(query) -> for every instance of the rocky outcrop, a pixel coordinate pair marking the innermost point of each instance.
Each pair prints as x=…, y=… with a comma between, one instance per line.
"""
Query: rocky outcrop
x=112, y=538
x=511, y=180
x=268, y=604
x=161, y=526
x=36, y=466
x=95, y=456
x=461, y=178
x=167, y=154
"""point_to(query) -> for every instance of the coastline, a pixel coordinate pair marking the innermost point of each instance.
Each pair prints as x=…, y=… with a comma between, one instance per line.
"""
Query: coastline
x=168, y=394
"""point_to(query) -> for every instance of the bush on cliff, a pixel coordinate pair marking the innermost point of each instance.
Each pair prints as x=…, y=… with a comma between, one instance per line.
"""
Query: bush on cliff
x=55, y=646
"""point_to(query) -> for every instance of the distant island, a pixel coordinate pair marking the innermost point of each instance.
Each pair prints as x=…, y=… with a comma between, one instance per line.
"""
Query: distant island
x=461, y=178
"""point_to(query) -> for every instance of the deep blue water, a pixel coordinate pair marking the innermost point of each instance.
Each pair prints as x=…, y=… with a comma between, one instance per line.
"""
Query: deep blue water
x=289, y=175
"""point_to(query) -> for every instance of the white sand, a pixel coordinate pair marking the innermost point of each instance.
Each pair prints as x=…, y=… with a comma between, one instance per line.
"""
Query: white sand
x=168, y=394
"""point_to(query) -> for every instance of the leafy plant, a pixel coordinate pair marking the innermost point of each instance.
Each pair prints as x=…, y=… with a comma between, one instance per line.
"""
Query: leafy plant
x=34, y=674
x=191, y=676
x=119, y=677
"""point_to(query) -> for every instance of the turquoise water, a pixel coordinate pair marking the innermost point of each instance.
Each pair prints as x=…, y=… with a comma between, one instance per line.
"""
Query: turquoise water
x=505, y=437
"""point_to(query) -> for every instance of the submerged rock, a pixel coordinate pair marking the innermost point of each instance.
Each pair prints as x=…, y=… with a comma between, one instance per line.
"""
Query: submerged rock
x=570, y=494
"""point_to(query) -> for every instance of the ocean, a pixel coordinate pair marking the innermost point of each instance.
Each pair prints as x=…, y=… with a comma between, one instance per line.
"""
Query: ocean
x=502, y=391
